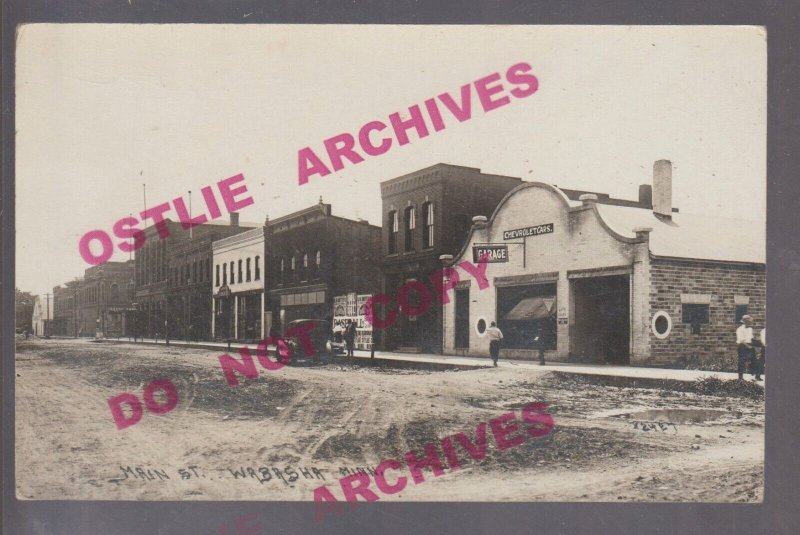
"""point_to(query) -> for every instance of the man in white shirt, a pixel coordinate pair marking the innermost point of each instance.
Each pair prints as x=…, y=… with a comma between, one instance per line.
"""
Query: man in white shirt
x=744, y=347
x=495, y=335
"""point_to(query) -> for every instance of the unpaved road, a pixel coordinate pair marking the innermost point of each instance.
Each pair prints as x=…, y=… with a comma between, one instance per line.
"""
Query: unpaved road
x=307, y=424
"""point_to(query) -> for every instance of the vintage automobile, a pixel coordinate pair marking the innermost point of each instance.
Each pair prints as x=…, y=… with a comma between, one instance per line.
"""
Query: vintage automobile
x=326, y=344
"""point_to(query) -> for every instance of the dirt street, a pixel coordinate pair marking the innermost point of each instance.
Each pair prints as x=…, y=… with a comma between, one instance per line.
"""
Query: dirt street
x=285, y=433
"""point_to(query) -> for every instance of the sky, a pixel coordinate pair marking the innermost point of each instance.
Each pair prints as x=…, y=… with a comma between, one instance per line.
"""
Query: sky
x=102, y=109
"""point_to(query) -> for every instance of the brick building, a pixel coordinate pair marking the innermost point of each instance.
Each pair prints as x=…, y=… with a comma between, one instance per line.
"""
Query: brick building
x=173, y=271
x=64, y=298
x=606, y=280
x=426, y=214
x=313, y=256
x=103, y=300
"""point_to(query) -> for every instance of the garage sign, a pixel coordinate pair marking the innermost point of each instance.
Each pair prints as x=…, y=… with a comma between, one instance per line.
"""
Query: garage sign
x=546, y=228
x=493, y=253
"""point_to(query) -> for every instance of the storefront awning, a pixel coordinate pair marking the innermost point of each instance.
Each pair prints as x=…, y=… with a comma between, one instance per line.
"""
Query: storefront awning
x=533, y=308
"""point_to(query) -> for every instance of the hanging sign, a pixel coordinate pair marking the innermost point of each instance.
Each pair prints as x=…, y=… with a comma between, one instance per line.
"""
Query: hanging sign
x=493, y=253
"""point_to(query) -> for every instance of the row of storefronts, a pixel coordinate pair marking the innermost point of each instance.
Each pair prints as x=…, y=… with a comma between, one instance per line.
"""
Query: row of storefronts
x=580, y=275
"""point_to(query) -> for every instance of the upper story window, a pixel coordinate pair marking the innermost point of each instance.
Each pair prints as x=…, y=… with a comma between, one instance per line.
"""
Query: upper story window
x=225, y=274
x=247, y=273
x=283, y=268
x=233, y=275
x=427, y=225
x=319, y=258
x=293, y=263
x=409, y=224
x=217, y=274
x=258, y=268
x=240, y=272
x=305, y=267
x=392, y=225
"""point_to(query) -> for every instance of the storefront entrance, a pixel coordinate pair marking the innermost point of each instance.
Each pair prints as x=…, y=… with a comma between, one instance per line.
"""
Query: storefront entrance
x=601, y=332
x=462, y=319
x=527, y=316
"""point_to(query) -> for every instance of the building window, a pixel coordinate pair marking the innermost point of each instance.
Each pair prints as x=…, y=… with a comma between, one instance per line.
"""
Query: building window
x=661, y=324
x=305, y=267
x=283, y=269
x=233, y=276
x=695, y=315
x=258, y=268
x=741, y=310
x=427, y=225
x=392, y=225
x=240, y=272
x=208, y=270
x=293, y=263
x=114, y=292
x=217, y=273
x=225, y=274
x=248, y=271
x=409, y=225
x=319, y=258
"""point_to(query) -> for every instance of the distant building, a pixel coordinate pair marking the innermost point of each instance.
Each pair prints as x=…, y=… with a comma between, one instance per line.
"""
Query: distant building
x=103, y=300
x=313, y=256
x=426, y=214
x=42, y=315
x=238, y=263
x=604, y=280
x=64, y=306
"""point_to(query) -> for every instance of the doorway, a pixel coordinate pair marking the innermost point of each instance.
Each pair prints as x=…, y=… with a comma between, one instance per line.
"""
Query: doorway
x=601, y=332
x=462, y=319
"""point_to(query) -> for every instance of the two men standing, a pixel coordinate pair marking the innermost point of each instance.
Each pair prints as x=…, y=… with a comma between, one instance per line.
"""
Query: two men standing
x=746, y=346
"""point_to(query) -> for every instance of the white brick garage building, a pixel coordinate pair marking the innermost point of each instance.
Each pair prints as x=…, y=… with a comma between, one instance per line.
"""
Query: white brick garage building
x=606, y=280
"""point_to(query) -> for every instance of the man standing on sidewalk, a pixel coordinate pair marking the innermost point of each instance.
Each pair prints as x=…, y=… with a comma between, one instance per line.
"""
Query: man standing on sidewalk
x=744, y=346
x=495, y=335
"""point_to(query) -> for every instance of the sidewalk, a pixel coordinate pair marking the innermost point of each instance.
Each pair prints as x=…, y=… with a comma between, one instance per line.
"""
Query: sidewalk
x=479, y=362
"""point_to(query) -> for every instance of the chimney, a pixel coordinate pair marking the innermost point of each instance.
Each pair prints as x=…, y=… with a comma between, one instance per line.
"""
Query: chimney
x=234, y=219
x=662, y=188
x=646, y=195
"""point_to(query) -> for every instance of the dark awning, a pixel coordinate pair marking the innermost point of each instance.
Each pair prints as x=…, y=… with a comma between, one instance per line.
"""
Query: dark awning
x=533, y=308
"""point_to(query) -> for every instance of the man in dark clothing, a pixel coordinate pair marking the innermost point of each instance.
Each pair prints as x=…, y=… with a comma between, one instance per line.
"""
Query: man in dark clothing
x=350, y=337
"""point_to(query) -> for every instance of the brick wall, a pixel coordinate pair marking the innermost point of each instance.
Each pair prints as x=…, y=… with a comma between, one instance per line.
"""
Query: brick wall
x=715, y=346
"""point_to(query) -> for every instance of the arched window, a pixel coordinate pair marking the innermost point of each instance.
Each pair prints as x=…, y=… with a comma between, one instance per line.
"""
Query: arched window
x=427, y=225
x=409, y=224
x=247, y=273
x=240, y=271
x=258, y=268
x=304, y=274
x=293, y=263
x=283, y=268
x=392, y=225
x=114, y=292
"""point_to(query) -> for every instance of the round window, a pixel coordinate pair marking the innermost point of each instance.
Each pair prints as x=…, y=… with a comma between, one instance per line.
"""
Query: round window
x=480, y=327
x=662, y=324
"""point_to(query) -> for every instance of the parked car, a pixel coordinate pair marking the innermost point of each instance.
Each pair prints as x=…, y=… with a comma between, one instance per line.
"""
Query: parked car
x=322, y=337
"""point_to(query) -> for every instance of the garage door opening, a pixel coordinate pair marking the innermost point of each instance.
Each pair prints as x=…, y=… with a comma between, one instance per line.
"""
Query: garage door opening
x=601, y=333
